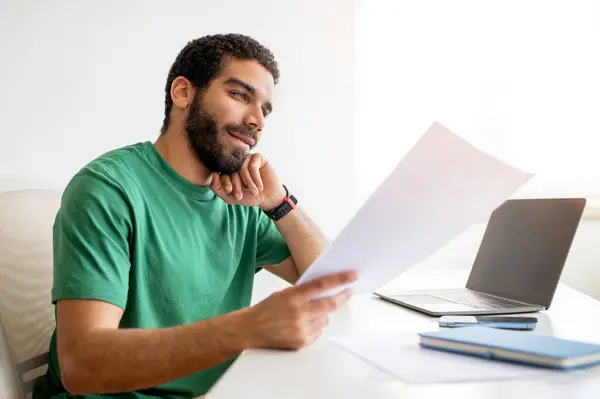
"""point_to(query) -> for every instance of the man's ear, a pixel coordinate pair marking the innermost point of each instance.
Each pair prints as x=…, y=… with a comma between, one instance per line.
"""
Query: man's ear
x=182, y=92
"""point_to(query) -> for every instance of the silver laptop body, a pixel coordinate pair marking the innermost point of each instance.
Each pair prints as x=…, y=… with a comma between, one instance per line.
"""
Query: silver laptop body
x=518, y=264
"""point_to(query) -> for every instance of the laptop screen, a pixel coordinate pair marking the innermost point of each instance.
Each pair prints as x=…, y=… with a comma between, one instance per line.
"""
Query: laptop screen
x=525, y=247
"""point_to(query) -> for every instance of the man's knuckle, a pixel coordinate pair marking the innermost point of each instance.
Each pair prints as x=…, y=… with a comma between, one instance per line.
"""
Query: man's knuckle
x=291, y=301
x=318, y=309
x=321, y=284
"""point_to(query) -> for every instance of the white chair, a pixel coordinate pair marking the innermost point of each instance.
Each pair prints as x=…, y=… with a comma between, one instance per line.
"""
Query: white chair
x=26, y=312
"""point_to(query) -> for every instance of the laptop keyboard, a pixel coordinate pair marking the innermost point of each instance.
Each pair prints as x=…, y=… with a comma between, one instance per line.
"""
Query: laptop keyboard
x=475, y=299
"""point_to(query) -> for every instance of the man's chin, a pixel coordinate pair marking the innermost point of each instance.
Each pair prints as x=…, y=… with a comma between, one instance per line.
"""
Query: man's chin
x=234, y=150
x=238, y=155
x=231, y=163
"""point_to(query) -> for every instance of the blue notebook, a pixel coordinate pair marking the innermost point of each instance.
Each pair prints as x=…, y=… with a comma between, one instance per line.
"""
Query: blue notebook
x=515, y=346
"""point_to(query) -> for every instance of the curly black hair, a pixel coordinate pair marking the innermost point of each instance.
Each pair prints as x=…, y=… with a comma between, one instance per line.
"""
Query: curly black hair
x=201, y=60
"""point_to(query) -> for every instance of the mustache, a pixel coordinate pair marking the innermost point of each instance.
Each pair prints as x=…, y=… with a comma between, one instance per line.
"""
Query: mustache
x=245, y=130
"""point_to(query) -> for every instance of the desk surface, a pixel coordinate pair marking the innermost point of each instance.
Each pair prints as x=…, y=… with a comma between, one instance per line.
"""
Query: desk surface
x=324, y=370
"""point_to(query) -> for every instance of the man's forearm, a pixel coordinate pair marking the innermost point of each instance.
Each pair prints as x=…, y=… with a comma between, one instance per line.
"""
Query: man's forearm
x=304, y=238
x=119, y=360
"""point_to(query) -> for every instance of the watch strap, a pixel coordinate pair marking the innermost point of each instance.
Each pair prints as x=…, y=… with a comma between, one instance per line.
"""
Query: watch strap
x=288, y=204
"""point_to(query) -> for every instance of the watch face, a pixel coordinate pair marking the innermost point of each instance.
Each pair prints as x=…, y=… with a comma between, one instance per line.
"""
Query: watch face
x=286, y=207
x=282, y=210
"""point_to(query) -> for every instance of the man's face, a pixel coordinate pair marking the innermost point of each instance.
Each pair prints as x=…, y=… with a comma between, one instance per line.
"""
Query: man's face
x=225, y=120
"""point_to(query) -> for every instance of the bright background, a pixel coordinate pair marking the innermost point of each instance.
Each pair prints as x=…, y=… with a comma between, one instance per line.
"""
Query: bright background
x=361, y=81
x=518, y=78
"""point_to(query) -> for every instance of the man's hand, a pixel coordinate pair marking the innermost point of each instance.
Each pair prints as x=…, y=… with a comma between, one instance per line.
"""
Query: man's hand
x=255, y=184
x=292, y=318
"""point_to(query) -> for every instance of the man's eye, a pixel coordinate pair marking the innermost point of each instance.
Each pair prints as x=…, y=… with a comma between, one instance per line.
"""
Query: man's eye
x=239, y=95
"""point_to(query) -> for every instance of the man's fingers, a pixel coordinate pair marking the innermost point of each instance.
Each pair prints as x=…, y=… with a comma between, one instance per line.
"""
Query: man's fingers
x=306, y=291
x=236, y=181
x=246, y=178
x=254, y=165
x=330, y=304
x=319, y=322
x=216, y=185
x=226, y=183
x=312, y=338
x=312, y=329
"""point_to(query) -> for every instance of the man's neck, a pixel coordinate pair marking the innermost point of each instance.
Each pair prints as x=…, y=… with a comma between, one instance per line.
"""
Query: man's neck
x=175, y=150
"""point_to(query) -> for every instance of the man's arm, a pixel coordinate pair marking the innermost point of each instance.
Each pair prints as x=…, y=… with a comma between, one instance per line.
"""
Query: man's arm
x=305, y=241
x=96, y=356
x=256, y=184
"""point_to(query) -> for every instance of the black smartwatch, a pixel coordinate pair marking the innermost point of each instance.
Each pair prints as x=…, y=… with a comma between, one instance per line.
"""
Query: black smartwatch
x=288, y=204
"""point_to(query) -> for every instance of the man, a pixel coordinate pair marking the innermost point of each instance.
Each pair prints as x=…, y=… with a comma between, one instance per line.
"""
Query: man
x=156, y=245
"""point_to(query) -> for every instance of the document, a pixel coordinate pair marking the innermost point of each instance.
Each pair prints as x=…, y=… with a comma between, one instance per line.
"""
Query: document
x=400, y=356
x=440, y=187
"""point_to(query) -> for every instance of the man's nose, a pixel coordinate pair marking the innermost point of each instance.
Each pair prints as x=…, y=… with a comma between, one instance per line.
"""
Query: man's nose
x=256, y=119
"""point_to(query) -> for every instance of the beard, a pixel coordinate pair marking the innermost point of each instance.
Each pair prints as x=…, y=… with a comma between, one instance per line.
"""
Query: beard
x=206, y=140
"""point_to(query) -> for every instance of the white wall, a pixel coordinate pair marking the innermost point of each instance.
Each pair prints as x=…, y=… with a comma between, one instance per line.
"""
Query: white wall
x=78, y=78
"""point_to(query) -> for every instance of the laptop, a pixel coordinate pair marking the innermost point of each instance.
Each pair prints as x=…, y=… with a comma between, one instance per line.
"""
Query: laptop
x=518, y=264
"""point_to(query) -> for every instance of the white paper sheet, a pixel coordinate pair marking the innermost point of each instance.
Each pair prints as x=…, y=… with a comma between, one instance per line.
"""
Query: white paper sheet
x=440, y=187
x=401, y=356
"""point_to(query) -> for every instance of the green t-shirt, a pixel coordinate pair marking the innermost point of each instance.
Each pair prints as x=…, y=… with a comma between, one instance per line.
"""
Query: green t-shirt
x=132, y=232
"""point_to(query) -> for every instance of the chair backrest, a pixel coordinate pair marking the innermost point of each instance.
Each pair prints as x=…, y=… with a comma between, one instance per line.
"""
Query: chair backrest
x=26, y=311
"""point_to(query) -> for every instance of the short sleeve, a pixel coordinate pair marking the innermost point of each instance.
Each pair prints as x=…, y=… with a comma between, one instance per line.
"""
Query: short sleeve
x=272, y=248
x=91, y=241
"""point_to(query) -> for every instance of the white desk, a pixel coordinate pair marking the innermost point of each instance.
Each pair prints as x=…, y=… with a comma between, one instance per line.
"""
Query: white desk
x=324, y=370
